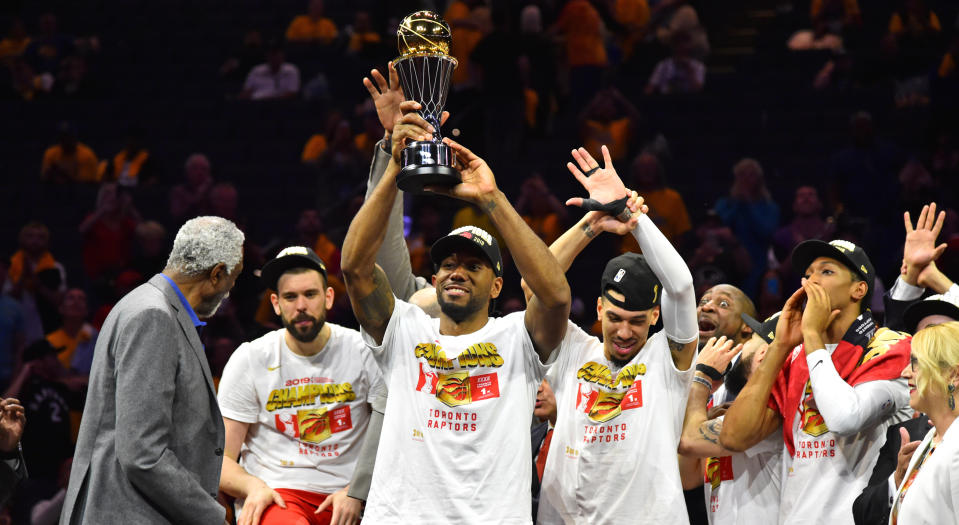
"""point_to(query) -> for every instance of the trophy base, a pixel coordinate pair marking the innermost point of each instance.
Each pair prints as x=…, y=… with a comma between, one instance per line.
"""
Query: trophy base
x=427, y=163
x=413, y=178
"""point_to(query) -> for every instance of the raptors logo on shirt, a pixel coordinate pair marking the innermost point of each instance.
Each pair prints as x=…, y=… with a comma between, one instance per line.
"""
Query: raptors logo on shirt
x=601, y=405
x=459, y=387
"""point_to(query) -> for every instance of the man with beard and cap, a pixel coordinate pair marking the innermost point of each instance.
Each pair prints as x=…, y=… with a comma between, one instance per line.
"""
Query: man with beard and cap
x=296, y=403
x=620, y=399
x=740, y=487
x=458, y=385
x=720, y=314
x=875, y=502
x=828, y=351
x=151, y=437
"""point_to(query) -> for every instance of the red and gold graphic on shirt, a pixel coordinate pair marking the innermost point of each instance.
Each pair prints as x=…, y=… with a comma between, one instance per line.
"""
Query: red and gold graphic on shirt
x=593, y=372
x=458, y=388
x=719, y=470
x=811, y=421
x=601, y=405
x=314, y=425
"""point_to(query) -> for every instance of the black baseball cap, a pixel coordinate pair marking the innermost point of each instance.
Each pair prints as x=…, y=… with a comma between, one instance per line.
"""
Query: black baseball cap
x=470, y=238
x=630, y=275
x=766, y=329
x=847, y=253
x=287, y=259
x=40, y=349
x=932, y=305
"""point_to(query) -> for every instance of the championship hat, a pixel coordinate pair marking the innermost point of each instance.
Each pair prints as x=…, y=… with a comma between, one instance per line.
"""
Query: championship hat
x=766, y=329
x=469, y=238
x=287, y=259
x=932, y=305
x=630, y=275
x=847, y=253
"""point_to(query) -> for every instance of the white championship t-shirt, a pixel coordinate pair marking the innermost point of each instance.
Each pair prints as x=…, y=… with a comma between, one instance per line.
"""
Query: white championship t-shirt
x=744, y=488
x=308, y=415
x=613, y=457
x=828, y=471
x=455, y=446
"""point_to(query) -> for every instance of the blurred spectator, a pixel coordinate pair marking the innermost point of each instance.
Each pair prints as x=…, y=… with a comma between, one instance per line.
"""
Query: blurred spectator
x=225, y=202
x=122, y=285
x=49, y=48
x=834, y=15
x=25, y=83
x=275, y=79
x=582, y=27
x=670, y=17
x=73, y=80
x=150, y=251
x=36, y=280
x=539, y=67
x=609, y=120
x=911, y=48
x=496, y=58
x=340, y=164
x=916, y=188
x=75, y=336
x=807, y=223
x=108, y=232
x=133, y=164
x=69, y=160
x=16, y=41
x=310, y=232
x=947, y=65
x=680, y=73
x=469, y=21
x=752, y=215
x=816, y=38
x=719, y=258
x=191, y=198
x=317, y=143
x=542, y=211
x=632, y=16
x=11, y=332
x=249, y=54
x=312, y=27
x=364, y=41
x=666, y=207
x=836, y=73
x=861, y=173
x=41, y=385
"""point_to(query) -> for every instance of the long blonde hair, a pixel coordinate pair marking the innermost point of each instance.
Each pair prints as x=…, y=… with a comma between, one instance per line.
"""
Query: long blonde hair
x=936, y=349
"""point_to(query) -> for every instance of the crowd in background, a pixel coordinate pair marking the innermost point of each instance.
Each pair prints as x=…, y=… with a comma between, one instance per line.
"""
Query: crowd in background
x=547, y=70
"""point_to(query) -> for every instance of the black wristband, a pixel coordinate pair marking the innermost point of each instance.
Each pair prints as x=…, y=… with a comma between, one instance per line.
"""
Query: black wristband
x=713, y=374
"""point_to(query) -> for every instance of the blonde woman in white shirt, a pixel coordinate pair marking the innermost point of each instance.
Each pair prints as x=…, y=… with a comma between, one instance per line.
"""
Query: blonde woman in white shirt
x=928, y=491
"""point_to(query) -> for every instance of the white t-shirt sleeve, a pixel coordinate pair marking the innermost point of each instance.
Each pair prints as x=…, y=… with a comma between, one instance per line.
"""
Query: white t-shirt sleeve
x=376, y=395
x=903, y=291
x=237, y=393
x=567, y=353
x=848, y=410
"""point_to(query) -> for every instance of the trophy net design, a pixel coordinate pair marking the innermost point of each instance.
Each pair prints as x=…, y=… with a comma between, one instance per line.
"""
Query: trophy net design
x=425, y=69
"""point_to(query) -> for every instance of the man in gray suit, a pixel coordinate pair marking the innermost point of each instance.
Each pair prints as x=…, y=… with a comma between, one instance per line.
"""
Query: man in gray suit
x=151, y=440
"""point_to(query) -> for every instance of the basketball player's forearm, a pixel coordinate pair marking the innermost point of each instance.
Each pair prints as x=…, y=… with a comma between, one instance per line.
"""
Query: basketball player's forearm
x=235, y=480
x=535, y=263
x=573, y=242
x=679, y=297
x=744, y=421
x=368, y=229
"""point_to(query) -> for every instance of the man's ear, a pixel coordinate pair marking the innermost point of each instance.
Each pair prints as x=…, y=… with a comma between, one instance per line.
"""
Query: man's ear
x=275, y=300
x=496, y=287
x=859, y=290
x=218, y=273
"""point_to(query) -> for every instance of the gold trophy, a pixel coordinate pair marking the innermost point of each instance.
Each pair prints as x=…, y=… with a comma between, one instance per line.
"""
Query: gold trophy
x=425, y=68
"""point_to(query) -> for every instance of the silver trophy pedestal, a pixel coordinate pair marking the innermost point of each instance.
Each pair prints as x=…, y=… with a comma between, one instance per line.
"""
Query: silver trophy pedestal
x=426, y=163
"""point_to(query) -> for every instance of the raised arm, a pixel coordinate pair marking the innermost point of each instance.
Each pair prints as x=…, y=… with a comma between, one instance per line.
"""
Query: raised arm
x=393, y=255
x=700, y=437
x=366, y=283
x=679, y=296
x=548, y=309
x=749, y=420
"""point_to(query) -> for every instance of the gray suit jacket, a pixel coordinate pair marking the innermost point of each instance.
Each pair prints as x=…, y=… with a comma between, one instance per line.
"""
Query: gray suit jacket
x=151, y=440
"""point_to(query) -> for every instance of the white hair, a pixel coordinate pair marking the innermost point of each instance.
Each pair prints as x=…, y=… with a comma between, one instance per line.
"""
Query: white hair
x=204, y=242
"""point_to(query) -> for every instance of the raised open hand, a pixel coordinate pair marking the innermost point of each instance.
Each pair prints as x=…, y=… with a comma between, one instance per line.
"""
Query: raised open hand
x=386, y=97
x=602, y=183
x=920, y=247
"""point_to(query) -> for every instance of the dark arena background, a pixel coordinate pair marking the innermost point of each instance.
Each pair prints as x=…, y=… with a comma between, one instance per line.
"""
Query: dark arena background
x=748, y=125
